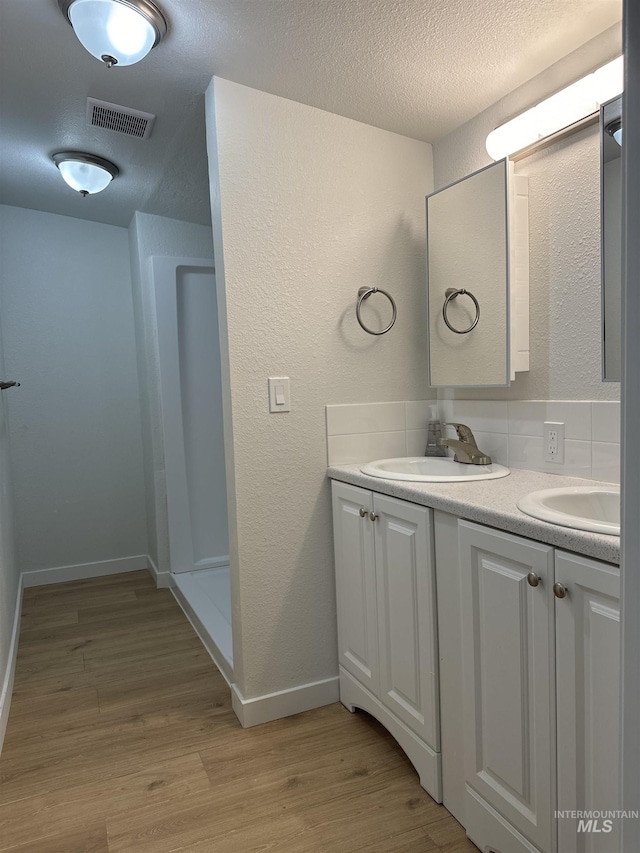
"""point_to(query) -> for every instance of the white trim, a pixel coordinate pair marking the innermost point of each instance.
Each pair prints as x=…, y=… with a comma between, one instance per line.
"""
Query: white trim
x=225, y=666
x=630, y=486
x=7, y=684
x=163, y=579
x=428, y=764
x=82, y=571
x=284, y=703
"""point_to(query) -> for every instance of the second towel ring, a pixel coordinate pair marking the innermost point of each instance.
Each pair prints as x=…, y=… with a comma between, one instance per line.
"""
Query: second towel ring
x=450, y=294
x=365, y=293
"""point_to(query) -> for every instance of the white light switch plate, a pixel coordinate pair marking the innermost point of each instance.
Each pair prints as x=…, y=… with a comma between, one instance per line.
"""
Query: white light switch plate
x=279, y=394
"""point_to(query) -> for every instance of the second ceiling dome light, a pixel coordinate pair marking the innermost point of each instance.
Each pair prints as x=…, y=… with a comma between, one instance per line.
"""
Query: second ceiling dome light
x=118, y=32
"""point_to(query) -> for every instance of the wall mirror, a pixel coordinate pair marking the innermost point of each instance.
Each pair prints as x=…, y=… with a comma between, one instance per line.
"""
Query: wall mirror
x=476, y=257
x=611, y=237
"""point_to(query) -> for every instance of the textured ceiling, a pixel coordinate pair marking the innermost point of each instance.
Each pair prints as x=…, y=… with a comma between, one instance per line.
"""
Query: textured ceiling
x=416, y=67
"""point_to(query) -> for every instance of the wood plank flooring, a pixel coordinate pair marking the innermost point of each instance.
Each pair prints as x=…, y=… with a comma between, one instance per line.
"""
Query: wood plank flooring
x=121, y=739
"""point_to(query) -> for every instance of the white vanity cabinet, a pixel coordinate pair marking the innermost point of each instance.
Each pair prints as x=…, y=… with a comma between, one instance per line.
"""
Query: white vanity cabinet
x=588, y=684
x=540, y=654
x=387, y=628
x=509, y=718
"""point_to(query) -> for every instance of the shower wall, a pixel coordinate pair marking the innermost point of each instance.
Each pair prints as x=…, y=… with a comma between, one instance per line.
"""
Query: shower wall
x=191, y=407
x=156, y=236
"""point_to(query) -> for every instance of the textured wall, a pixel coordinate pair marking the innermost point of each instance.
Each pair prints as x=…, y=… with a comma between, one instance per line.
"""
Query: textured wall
x=151, y=235
x=307, y=207
x=67, y=321
x=564, y=208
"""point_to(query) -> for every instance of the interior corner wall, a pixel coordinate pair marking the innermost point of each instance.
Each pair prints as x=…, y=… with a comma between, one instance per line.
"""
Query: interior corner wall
x=307, y=208
x=67, y=321
x=150, y=236
x=564, y=216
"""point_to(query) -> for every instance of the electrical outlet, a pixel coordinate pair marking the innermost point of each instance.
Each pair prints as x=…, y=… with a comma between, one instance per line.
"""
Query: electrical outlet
x=554, y=442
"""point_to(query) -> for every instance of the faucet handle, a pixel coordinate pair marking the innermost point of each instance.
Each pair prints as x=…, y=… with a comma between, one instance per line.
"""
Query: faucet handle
x=464, y=433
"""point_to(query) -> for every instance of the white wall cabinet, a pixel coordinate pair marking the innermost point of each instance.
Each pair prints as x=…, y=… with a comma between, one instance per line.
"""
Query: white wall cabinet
x=540, y=652
x=387, y=628
x=478, y=248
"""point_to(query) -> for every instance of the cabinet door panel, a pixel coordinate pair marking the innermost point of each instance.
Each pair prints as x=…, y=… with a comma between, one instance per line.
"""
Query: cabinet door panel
x=588, y=681
x=507, y=675
x=406, y=615
x=355, y=584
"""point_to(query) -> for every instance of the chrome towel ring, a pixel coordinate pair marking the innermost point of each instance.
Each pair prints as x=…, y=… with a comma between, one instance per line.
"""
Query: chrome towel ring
x=450, y=294
x=365, y=293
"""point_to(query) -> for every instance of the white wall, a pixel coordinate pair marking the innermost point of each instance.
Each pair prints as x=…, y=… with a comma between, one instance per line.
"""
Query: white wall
x=75, y=433
x=564, y=208
x=307, y=207
x=149, y=236
x=8, y=562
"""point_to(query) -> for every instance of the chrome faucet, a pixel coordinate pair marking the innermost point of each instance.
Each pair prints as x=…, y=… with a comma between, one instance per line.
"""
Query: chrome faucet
x=464, y=447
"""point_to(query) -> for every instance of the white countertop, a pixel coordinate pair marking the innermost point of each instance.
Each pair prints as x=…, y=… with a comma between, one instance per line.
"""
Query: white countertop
x=493, y=502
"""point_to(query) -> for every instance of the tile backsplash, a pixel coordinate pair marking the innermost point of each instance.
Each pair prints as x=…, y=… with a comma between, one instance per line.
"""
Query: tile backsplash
x=510, y=432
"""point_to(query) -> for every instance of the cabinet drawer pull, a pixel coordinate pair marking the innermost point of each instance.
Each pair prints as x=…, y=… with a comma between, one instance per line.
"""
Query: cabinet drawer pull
x=559, y=590
x=533, y=579
x=363, y=512
x=372, y=516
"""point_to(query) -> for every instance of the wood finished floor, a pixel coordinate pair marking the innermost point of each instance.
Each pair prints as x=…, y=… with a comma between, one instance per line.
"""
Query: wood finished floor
x=121, y=739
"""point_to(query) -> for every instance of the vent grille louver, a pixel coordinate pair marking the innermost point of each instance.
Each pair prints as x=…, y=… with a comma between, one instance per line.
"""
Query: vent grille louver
x=119, y=119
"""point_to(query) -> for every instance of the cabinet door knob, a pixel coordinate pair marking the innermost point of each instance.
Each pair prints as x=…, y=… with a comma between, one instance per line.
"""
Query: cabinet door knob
x=363, y=512
x=533, y=579
x=372, y=516
x=559, y=590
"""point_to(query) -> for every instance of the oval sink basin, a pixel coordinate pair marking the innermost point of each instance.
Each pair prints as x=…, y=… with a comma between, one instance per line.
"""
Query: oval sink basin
x=596, y=510
x=432, y=469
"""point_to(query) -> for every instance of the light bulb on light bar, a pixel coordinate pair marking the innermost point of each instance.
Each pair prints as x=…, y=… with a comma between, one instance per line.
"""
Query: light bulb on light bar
x=558, y=112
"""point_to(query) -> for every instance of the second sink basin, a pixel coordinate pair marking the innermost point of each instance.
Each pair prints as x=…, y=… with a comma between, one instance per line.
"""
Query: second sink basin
x=432, y=469
x=596, y=510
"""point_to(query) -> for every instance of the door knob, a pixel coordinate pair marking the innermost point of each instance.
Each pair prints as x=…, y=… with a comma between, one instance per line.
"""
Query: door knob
x=363, y=512
x=533, y=579
x=559, y=590
x=372, y=516
x=5, y=385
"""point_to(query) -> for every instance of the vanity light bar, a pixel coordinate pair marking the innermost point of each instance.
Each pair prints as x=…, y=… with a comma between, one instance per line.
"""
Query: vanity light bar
x=553, y=115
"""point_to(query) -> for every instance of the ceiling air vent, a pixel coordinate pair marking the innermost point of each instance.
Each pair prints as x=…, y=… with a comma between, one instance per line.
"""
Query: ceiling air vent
x=121, y=119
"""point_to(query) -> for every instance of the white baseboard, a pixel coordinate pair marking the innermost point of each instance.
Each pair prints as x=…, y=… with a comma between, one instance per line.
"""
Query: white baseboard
x=284, y=703
x=163, y=579
x=7, y=682
x=82, y=571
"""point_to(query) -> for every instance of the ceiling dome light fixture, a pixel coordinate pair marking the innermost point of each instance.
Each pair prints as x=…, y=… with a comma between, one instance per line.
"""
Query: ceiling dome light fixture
x=118, y=32
x=85, y=173
x=614, y=128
